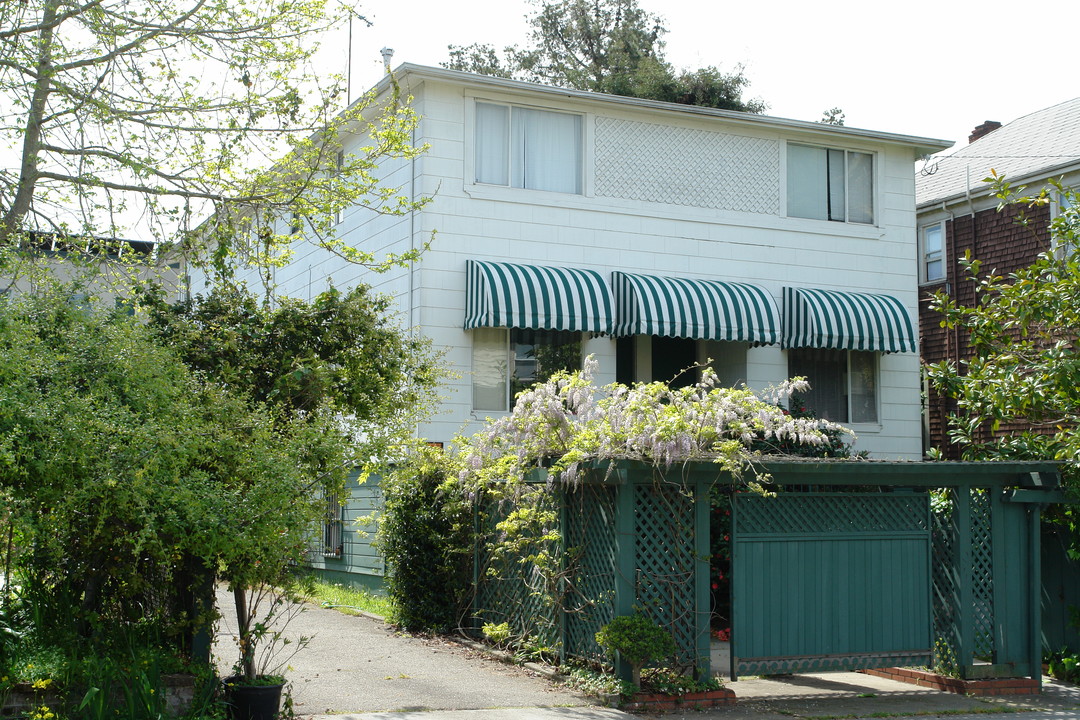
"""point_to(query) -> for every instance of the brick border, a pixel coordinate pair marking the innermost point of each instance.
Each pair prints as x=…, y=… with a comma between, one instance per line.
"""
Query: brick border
x=650, y=702
x=923, y=678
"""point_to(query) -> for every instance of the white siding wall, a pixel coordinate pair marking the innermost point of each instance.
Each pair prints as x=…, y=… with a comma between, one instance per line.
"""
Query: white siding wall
x=665, y=193
x=704, y=229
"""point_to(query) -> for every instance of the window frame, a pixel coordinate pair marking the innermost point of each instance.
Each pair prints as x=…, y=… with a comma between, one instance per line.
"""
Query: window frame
x=473, y=163
x=333, y=527
x=848, y=390
x=829, y=152
x=1057, y=207
x=925, y=255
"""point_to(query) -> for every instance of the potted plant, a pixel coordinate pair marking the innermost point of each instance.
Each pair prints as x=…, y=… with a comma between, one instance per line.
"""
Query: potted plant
x=637, y=640
x=263, y=612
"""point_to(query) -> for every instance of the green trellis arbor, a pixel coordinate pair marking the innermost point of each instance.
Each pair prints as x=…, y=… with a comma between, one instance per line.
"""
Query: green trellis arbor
x=847, y=566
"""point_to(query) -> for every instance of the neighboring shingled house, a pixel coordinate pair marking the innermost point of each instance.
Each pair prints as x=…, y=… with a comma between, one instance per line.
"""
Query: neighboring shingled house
x=958, y=214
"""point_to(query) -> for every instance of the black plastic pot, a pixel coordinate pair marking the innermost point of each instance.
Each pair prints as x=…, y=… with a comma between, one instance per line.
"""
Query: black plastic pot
x=252, y=702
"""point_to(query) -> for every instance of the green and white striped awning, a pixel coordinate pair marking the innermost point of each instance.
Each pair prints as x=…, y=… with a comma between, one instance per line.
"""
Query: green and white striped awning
x=536, y=298
x=697, y=309
x=846, y=321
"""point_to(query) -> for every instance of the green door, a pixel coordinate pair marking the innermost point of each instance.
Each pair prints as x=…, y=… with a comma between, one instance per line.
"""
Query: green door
x=830, y=581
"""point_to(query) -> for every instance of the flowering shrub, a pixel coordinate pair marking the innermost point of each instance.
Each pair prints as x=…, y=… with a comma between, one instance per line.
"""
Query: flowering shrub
x=568, y=421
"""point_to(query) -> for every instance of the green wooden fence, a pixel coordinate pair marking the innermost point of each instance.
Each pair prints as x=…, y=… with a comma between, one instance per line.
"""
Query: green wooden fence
x=831, y=581
x=861, y=575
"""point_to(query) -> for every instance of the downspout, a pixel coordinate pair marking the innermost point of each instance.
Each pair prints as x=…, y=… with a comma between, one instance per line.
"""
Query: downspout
x=412, y=233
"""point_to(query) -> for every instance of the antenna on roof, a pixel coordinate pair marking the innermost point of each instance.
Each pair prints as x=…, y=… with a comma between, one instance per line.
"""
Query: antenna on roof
x=387, y=54
x=348, y=67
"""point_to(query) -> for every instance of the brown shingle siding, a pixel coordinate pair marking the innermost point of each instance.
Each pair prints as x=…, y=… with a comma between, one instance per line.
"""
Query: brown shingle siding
x=1003, y=246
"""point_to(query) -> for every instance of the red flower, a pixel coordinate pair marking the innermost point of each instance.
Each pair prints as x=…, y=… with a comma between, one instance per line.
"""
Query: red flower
x=715, y=586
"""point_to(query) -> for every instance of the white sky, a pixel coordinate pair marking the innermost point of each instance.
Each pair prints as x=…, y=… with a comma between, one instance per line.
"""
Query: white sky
x=929, y=68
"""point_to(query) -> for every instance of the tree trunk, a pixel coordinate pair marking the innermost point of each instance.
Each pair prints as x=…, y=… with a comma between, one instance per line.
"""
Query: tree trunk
x=243, y=624
x=12, y=219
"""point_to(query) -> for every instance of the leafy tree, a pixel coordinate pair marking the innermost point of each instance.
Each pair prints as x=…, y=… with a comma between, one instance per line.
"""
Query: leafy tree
x=1018, y=394
x=334, y=375
x=339, y=354
x=833, y=116
x=611, y=46
x=164, y=111
x=130, y=480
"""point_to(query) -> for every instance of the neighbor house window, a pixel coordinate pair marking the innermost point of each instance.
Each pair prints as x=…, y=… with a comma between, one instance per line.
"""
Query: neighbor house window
x=1062, y=246
x=830, y=184
x=843, y=384
x=933, y=243
x=505, y=362
x=528, y=148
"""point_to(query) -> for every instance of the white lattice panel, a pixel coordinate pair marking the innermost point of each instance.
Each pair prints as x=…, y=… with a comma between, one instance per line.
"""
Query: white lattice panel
x=684, y=166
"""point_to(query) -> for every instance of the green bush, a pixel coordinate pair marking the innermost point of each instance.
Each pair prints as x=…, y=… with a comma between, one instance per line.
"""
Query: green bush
x=425, y=534
x=638, y=640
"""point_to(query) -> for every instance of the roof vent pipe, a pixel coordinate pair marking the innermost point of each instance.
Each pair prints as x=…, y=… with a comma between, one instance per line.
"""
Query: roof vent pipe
x=387, y=55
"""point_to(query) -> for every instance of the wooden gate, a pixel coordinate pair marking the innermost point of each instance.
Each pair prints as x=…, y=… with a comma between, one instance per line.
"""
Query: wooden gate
x=830, y=581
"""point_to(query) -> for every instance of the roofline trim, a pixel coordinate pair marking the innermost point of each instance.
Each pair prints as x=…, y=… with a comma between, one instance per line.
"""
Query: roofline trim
x=923, y=145
x=980, y=190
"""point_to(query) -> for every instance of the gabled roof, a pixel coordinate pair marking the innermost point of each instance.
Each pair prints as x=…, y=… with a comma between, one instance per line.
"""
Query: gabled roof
x=1035, y=147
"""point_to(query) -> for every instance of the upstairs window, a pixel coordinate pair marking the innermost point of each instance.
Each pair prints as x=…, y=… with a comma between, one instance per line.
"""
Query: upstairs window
x=829, y=184
x=933, y=264
x=527, y=148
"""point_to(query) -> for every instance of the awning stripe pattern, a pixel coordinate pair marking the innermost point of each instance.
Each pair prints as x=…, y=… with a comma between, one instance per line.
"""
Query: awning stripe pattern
x=697, y=309
x=535, y=297
x=846, y=321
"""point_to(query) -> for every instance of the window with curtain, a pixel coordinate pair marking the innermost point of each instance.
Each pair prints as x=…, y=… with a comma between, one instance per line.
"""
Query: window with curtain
x=830, y=184
x=505, y=362
x=843, y=384
x=933, y=264
x=528, y=148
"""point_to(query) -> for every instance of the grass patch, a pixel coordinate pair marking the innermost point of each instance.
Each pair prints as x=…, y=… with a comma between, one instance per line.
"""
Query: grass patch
x=350, y=601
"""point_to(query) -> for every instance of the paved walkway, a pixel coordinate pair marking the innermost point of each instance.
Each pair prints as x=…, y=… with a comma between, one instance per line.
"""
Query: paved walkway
x=357, y=668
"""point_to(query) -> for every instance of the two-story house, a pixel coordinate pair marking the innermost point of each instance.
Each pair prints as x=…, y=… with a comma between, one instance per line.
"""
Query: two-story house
x=958, y=214
x=652, y=236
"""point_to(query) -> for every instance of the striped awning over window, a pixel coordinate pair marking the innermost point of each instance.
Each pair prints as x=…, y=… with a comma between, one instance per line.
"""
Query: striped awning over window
x=537, y=298
x=697, y=309
x=846, y=321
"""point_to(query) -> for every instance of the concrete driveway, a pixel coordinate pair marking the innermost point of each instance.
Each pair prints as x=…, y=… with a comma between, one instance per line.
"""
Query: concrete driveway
x=359, y=668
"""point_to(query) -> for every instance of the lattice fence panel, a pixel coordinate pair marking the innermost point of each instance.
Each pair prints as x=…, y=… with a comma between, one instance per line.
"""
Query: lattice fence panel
x=815, y=514
x=664, y=586
x=946, y=578
x=590, y=566
x=982, y=573
x=514, y=591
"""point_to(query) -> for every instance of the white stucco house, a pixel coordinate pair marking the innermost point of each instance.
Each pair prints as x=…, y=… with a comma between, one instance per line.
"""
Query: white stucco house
x=652, y=236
